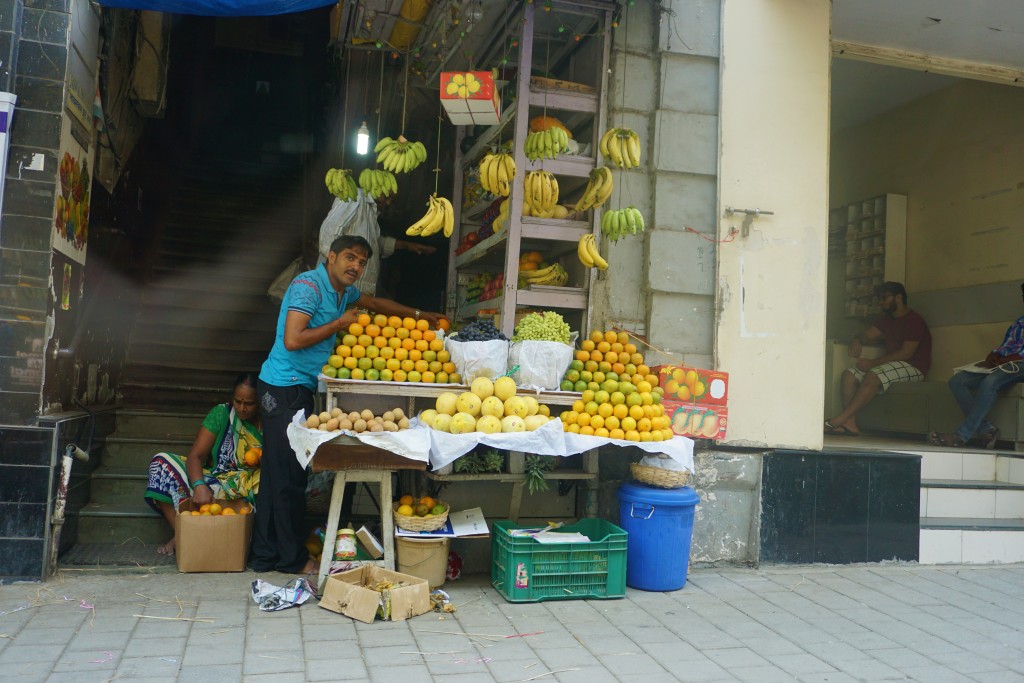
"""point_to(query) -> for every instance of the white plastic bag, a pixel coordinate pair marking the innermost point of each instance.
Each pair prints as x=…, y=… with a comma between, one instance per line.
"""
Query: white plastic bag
x=542, y=364
x=478, y=358
x=357, y=218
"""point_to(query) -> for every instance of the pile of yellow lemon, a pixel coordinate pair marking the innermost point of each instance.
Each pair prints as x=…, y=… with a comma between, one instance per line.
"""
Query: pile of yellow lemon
x=392, y=349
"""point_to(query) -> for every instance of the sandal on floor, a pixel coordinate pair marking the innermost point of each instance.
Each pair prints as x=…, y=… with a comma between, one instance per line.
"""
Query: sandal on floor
x=838, y=430
x=989, y=439
x=945, y=440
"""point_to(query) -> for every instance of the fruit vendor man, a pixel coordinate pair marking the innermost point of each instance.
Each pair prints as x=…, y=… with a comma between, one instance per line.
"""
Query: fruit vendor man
x=360, y=218
x=317, y=305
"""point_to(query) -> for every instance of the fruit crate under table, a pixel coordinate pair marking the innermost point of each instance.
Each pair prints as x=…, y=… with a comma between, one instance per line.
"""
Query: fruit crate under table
x=523, y=570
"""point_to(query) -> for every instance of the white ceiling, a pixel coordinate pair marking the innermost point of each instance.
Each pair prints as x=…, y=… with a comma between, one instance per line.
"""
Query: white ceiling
x=987, y=32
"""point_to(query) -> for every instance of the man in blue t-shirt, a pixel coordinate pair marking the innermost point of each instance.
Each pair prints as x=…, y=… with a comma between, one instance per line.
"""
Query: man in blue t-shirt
x=318, y=304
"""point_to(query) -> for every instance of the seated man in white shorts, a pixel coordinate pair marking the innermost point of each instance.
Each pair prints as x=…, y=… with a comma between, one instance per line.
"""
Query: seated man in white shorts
x=908, y=355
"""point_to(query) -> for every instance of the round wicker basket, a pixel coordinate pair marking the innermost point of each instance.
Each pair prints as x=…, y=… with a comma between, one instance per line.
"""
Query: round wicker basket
x=656, y=476
x=425, y=523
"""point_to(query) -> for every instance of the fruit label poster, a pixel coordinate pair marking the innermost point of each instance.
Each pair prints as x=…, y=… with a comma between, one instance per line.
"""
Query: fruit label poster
x=71, y=206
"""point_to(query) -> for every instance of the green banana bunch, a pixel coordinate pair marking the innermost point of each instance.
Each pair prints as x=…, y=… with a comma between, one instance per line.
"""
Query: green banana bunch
x=378, y=183
x=554, y=275
x=621, y=146
x=599, y=189
x=439, y=216
x=546, y=143
x=339, y=182
x=541, y=193
x=401, y=155
x=621, y=222
x=496, y=173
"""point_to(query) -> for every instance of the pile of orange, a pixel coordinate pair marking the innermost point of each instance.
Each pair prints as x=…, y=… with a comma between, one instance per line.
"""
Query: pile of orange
x=216, y=509
x=619, y=395
x=392, y=349
x=252, y=457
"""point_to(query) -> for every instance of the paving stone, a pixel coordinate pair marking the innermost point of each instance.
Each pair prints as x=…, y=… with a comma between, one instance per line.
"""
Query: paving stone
x=390, y=655
x=631, y=664
x=273, y=642
x=111, y=640
x=155, y=647
x=333, y=632
x=272, y=663
x=761, y=674
x=405, y=674
x=900, y=657
x=671, y=653
x=868, y=669
x=52, y=635
x=561, y=658
x=1003, y=676
x=336, y=670
x=88, y=661
x=736, y=657
x=132, y=668
x=203, y=653
x=834, y=677
x=932, y=674
x=586, y=674
x=801, y=664
x=211, y=673
x=773, y=645
x=387, y=638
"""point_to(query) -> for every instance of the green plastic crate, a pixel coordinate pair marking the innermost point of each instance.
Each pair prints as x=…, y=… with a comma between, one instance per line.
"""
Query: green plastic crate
x=523, y=570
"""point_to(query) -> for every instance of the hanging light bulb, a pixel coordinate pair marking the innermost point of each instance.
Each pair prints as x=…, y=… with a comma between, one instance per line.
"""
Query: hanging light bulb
x=363, y=139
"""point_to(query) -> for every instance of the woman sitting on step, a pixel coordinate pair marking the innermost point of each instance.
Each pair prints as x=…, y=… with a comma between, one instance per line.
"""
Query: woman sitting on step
x=215, y=467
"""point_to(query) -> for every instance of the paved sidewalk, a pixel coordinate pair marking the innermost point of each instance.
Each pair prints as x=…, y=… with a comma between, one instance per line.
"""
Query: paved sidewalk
x=807, y=623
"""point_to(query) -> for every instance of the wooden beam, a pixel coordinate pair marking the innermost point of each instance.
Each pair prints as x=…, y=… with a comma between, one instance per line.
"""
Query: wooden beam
x=929, y=63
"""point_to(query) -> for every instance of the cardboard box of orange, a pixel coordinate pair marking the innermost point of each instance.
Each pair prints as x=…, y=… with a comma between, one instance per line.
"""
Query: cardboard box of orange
x=695, y=385
x=213, y=543
x=351, y=593
x=696, y=421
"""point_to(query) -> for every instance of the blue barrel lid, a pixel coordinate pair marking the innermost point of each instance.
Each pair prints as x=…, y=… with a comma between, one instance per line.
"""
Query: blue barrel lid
x=636, y=492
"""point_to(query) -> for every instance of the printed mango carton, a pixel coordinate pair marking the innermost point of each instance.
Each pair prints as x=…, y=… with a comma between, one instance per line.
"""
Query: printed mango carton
x=698, y=386
x=696, y=421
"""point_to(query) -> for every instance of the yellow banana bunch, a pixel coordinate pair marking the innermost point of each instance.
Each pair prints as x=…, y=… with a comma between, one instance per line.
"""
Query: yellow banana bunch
x=501, y=221
x=599, y=189
x=541, y=193
x=378, y=183
x=588, y=253
x=339, y=182
x=552, y=275
x=621, y=146
x=546, y=143
x=496, y=173
x=401, y=155
x=621, y=222
x=440, y=216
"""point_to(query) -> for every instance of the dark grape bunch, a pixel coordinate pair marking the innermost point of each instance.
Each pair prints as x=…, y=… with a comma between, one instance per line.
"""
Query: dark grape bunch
x=478, y=330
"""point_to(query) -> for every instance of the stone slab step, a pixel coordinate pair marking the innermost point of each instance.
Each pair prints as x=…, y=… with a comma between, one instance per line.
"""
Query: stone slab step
x=162, y=424
x=118, y=485
x=960, y=540
x=121, y=523
x=126, y=453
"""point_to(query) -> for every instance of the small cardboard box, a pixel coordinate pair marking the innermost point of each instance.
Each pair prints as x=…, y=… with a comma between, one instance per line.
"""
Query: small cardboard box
x=350, y=593
x=470, y=98
x=370, y=543
x=213, y=543
x=697, y=421
x=695, y=385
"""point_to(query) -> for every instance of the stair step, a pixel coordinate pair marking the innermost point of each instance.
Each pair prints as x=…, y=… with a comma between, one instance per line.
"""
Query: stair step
x=135, y=453
x=121, y=523
x=137, y=555
x=118, y=485
x=973, y=523
x=148, y=341
x=152, y=423
x=975, y=499
x=206, y=356
x=946, y=541
x=970, y=484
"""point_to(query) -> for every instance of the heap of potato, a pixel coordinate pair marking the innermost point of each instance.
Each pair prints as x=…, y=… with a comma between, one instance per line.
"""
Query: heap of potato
x=363, y=421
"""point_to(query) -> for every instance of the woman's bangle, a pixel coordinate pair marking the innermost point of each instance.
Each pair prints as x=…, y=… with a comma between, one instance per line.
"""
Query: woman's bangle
x=198, y=482
x=417, y=311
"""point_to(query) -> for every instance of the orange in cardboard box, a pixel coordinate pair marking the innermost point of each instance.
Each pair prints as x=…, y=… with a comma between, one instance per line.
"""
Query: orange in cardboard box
x=213, y=543
x=683, y=383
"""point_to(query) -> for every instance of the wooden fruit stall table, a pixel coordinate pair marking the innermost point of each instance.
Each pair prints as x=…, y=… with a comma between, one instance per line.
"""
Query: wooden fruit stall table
x=386, y=462
x=354, y=461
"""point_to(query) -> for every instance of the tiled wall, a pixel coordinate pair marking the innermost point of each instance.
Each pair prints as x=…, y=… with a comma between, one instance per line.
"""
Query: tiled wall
x=26, y=456
x=33, y=52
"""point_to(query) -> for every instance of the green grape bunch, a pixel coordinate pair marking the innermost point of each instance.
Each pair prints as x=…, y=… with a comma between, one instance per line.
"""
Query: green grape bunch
x=546, y=326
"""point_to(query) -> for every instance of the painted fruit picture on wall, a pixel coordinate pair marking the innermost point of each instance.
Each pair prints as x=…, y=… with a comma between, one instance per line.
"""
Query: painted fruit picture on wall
x=72, y=215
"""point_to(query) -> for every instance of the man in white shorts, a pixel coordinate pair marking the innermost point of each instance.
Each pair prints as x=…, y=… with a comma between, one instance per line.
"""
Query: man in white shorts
x=908, y=355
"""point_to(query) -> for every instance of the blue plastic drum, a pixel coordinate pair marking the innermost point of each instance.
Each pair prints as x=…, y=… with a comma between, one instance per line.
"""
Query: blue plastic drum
x=660, y=526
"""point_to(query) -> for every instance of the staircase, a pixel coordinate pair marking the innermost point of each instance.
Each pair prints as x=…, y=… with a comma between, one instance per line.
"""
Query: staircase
x=972, y=506
x=204, y=314
x=204, y=318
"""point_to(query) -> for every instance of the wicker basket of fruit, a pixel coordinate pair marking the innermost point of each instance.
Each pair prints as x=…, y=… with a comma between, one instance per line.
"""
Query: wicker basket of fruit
x=425, y=514
x=656, y=476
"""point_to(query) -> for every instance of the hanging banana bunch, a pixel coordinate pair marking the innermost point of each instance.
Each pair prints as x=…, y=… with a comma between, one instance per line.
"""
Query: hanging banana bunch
x=621, y=146
x=378, y=183
x=439, y=216
x=599, y=189
x=541, y=193
x=546, y=143
x=621, y=222
x=339, y=182
x=401, y=155
x=588, y=254
x=496, y=173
